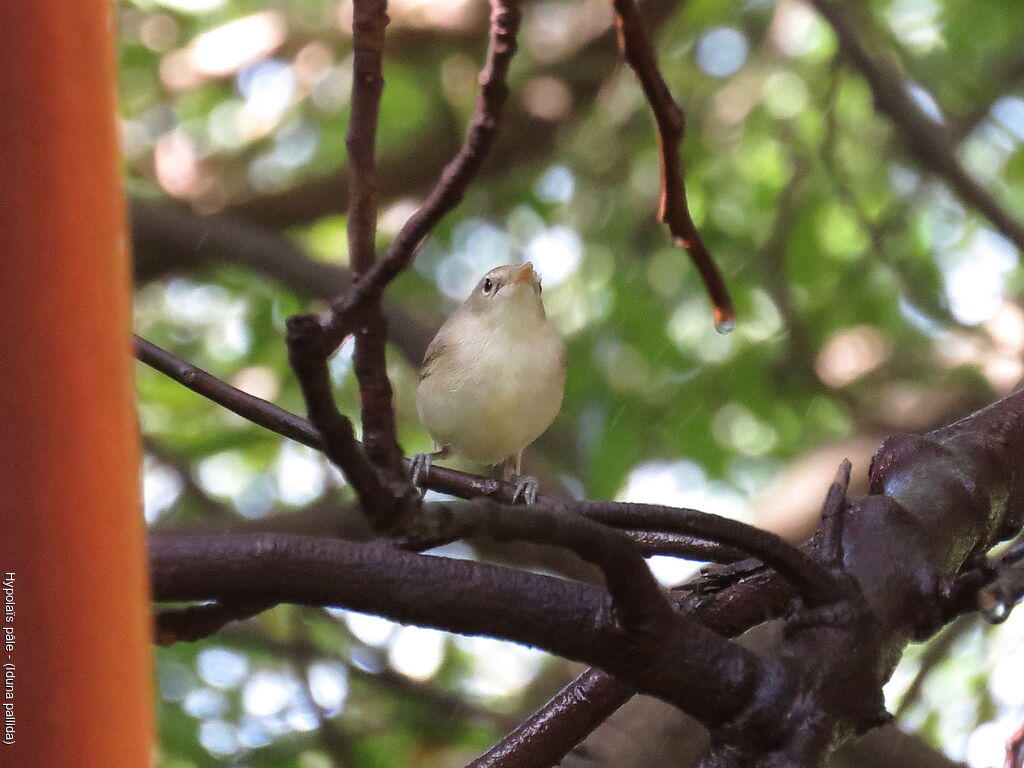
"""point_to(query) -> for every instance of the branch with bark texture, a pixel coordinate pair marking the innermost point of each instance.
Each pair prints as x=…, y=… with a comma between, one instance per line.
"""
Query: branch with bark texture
x=455, y=177
x=673, y=208
x=569, y=619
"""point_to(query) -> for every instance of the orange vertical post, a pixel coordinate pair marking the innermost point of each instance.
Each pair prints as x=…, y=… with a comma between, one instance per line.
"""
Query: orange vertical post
x=76, y=682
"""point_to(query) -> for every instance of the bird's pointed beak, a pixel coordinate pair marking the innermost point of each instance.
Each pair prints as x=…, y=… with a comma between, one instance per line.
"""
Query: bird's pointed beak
x=525, y=274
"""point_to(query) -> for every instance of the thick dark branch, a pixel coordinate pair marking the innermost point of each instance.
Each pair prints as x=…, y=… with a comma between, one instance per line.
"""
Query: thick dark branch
x=694, y=668
x=674, y=210
x=638, y=599
x=928, y=141
x=546, y=737
x=937, y=502
x=455, y=178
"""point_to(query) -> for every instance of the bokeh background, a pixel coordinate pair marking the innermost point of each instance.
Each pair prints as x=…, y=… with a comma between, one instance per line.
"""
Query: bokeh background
x=870, y=298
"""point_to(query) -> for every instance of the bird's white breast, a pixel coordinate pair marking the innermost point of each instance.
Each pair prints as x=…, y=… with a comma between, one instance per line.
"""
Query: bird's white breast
x=498, y=388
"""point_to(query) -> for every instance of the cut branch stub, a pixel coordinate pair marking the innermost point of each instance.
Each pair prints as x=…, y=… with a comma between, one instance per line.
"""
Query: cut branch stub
x=1006, y=588
x=673, y=210
x=832, y=516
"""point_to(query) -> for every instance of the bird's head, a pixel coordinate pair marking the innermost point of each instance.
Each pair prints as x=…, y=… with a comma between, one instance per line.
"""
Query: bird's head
x=509, y=288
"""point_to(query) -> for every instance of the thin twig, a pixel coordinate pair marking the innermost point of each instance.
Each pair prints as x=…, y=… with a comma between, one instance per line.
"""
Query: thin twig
x=686, y=664
x=815, y=583
x=380, y=432
x=249, y=407
x=674, y=210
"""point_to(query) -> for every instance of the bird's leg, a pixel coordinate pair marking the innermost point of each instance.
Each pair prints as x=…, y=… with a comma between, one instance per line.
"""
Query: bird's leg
x=421, y=463
x=526, y=487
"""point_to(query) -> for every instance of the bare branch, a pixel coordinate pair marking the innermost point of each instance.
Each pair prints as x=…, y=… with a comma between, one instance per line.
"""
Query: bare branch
x=455, y=178
x=674, y=210
x=546, y=737
x=369, y=19
x=636, y=595
x=380, y=432
x=697, y=669
x=255, y=409
x=816, y=584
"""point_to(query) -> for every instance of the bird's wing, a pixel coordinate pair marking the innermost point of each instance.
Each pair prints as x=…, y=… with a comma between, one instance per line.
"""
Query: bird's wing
x=430, y=359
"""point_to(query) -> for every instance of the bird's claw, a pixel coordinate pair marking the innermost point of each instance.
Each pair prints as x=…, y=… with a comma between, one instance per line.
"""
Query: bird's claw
x=419, y=469
x=526, y=487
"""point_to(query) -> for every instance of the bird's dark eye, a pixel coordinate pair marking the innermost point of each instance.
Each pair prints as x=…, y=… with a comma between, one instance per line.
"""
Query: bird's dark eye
x=488, y=285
